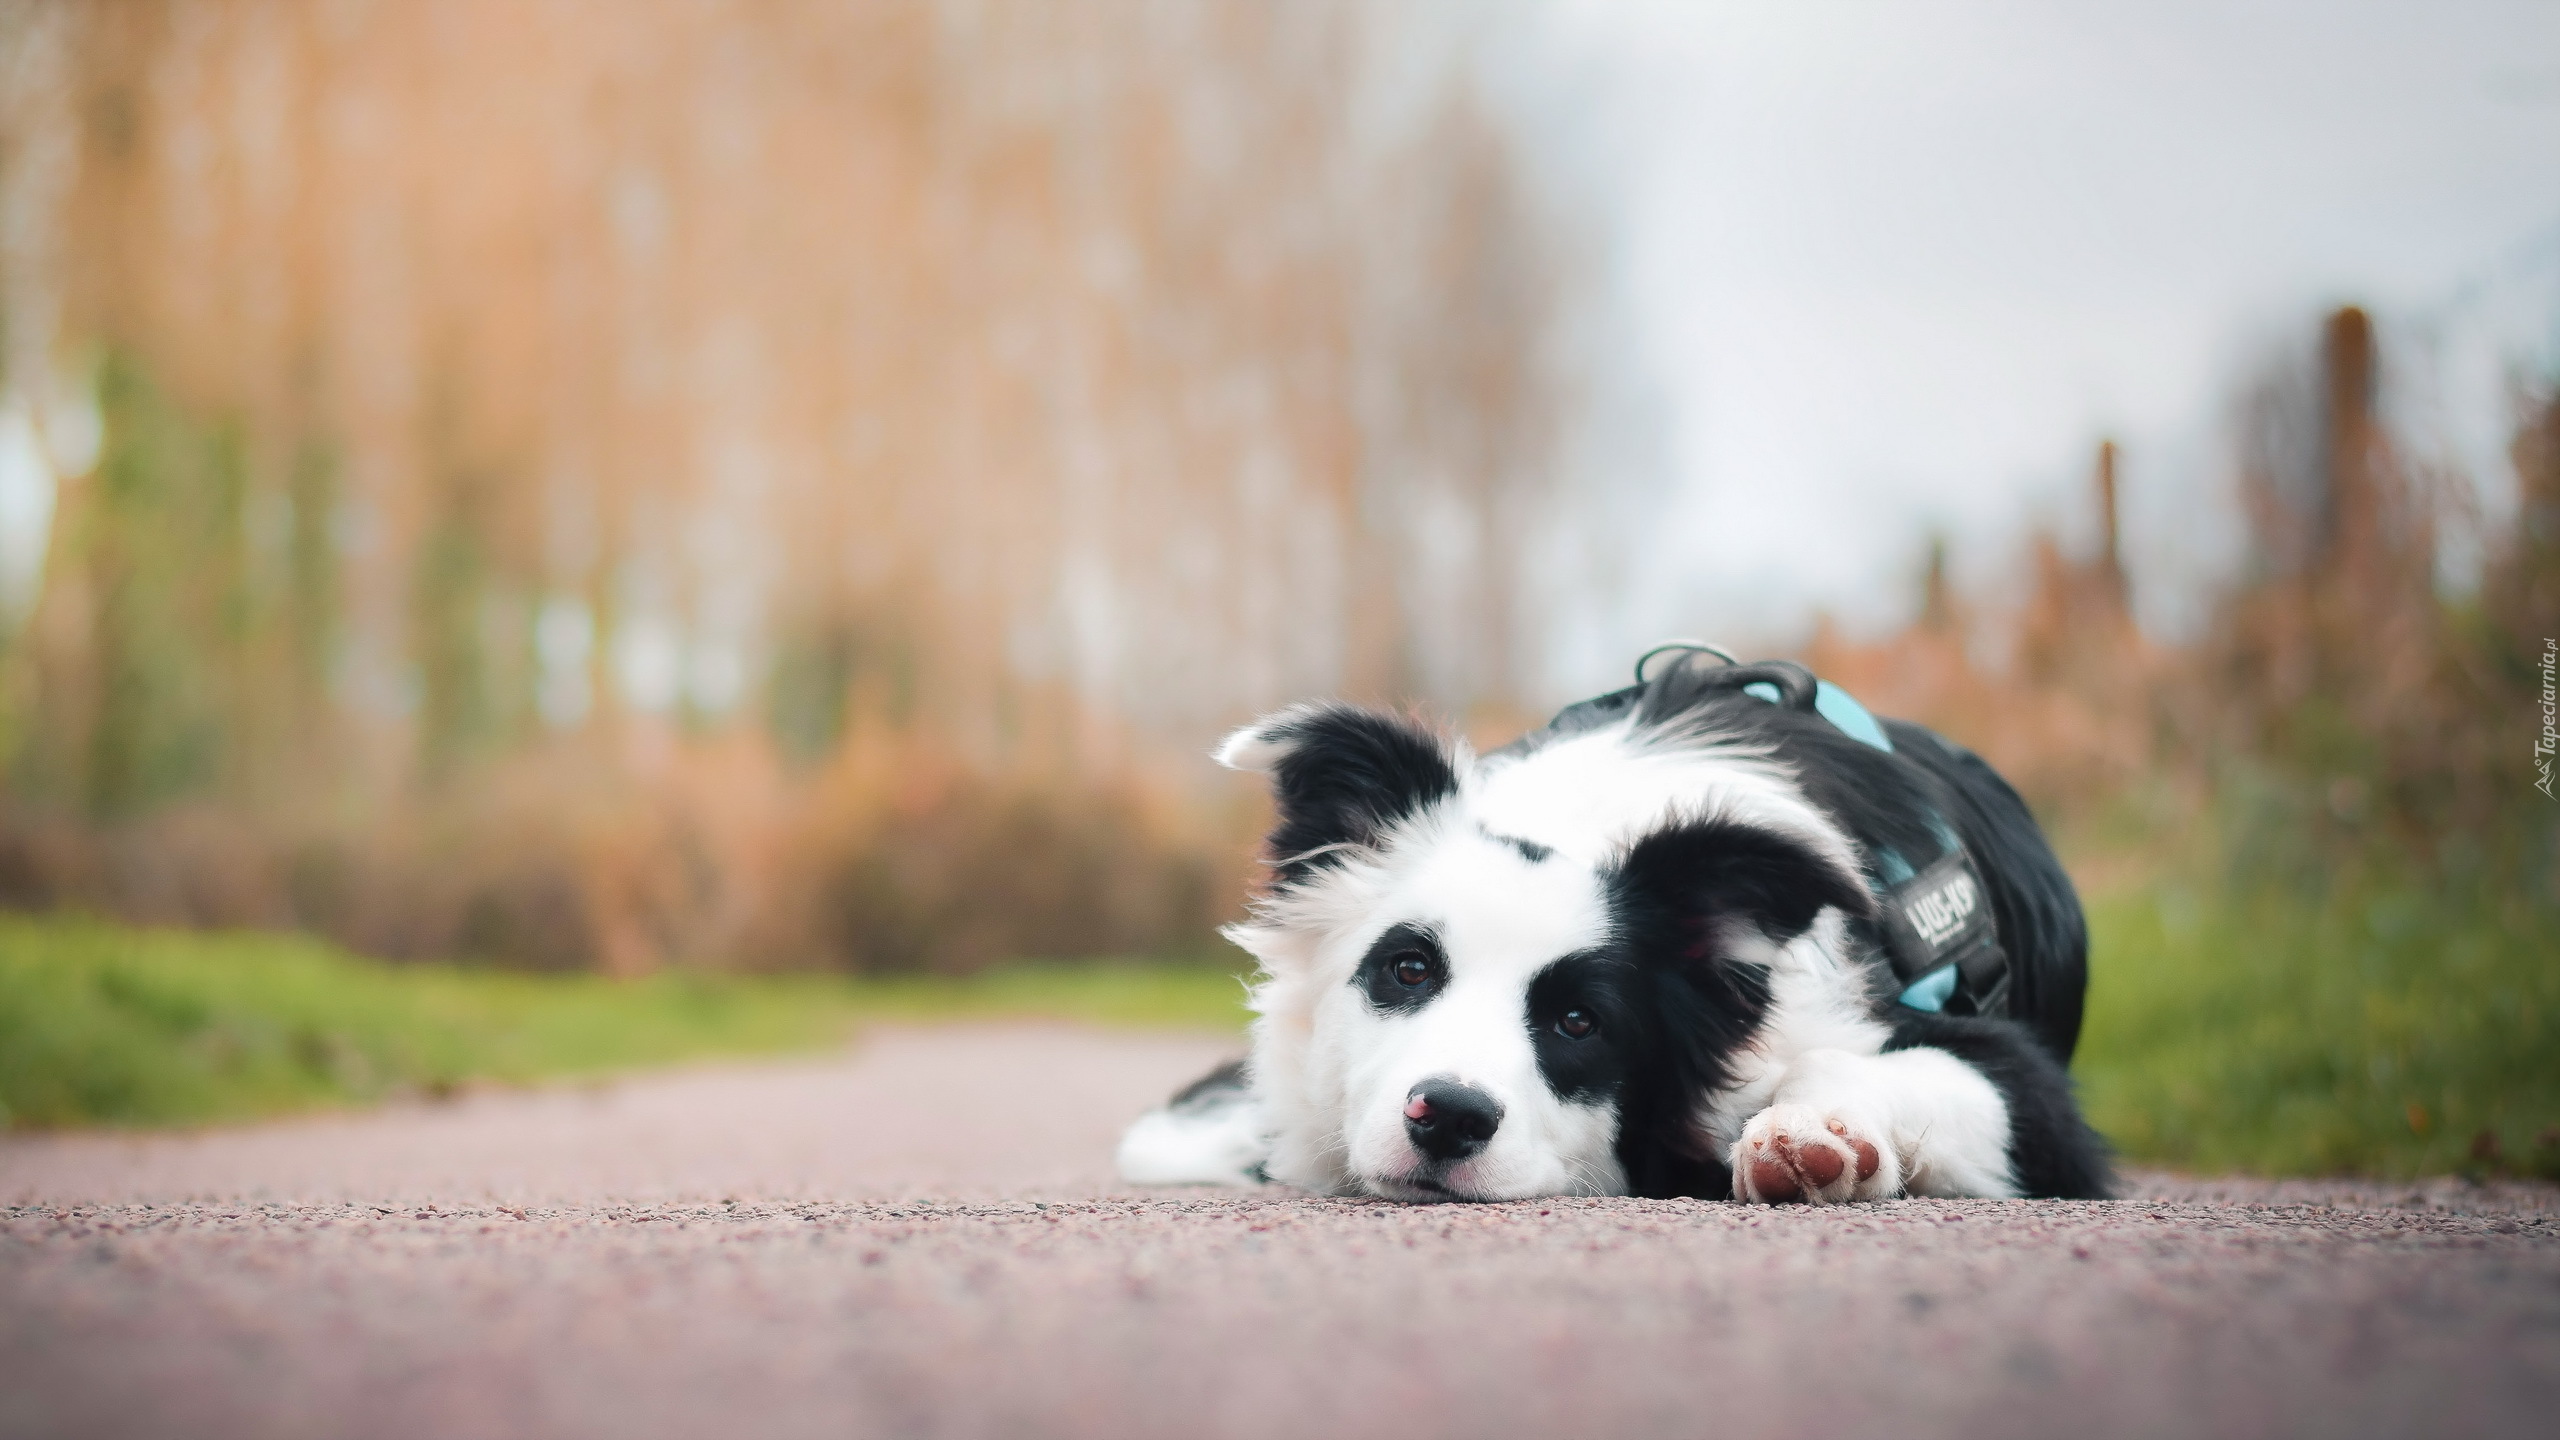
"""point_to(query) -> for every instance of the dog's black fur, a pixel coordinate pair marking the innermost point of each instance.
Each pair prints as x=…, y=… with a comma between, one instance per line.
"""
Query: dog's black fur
x=1351, y=774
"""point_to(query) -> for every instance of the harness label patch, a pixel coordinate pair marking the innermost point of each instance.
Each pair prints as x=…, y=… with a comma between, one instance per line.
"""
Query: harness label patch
x=1939, y=936
x=1942, y=914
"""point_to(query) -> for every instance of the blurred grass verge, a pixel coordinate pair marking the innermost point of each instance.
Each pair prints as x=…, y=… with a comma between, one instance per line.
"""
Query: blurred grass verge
x=2390, y=1028
x=109, y=1024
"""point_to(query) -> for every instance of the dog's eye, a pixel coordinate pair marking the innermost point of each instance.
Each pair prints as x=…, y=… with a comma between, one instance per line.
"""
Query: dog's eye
x=1413, y=969
x=1577, y=1024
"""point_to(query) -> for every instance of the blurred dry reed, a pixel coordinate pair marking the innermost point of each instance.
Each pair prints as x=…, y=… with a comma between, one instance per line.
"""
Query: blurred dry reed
x=2340, y=697
x=610, y=484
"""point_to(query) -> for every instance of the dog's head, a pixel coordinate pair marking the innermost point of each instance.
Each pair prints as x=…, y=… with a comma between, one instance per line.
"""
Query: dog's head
x=1452, y=1007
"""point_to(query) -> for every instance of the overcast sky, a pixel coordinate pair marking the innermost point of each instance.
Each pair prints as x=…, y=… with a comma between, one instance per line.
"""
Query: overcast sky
x=1894, y=266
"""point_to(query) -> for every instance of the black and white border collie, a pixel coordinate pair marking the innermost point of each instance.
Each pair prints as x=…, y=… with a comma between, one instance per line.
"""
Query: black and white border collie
x=1647, y=950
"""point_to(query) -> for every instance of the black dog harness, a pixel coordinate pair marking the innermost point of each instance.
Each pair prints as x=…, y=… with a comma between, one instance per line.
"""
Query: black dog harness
x=1933, y=921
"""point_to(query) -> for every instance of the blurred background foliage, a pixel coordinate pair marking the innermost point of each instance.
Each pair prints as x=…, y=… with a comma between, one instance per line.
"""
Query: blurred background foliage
x=795, y=487
x=2326, y=888
x=748, y=485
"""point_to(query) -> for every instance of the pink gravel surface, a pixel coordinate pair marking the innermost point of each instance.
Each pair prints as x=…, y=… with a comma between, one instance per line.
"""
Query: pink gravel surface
x=922, y=1238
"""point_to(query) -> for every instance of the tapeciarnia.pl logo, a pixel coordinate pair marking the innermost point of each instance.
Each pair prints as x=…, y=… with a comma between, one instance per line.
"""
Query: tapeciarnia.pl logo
x=2550, y=740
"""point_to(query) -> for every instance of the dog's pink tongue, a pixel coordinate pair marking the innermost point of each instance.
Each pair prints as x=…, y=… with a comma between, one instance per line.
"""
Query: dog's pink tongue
x=1417, y=1108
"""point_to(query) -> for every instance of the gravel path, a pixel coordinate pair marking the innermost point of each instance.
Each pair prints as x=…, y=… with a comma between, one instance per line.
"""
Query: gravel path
x=922, y=1239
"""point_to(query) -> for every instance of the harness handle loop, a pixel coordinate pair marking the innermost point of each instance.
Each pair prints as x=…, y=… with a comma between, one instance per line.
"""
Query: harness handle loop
x=1783, y=682
x=1695, y=647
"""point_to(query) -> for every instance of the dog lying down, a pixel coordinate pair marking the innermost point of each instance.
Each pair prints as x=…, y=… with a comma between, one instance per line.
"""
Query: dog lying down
x=1717, y=934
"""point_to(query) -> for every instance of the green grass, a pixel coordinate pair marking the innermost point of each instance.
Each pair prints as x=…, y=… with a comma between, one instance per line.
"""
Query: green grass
x=2383, y=1031
x=105, y=1024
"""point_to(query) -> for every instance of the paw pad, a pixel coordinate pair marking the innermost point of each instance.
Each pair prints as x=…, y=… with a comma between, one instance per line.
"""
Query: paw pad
x=1860, y=1147
x=1792, y=1153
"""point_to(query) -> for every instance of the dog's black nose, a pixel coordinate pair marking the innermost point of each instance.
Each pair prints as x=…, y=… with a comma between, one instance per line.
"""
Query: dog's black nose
x=1450, y=1121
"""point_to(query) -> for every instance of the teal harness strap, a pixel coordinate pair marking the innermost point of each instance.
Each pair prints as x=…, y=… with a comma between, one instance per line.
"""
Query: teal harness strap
x=1837, y=706
x=1931, y=991
x=1935, y=918
x=1842, y=709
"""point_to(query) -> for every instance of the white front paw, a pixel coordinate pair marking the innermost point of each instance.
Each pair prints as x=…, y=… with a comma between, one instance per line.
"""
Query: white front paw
x=1796, y=1152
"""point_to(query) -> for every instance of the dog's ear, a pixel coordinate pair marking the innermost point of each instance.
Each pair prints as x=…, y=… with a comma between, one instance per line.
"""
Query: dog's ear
x=1691, y=880
x=1341, y=776
x=1696, y=903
